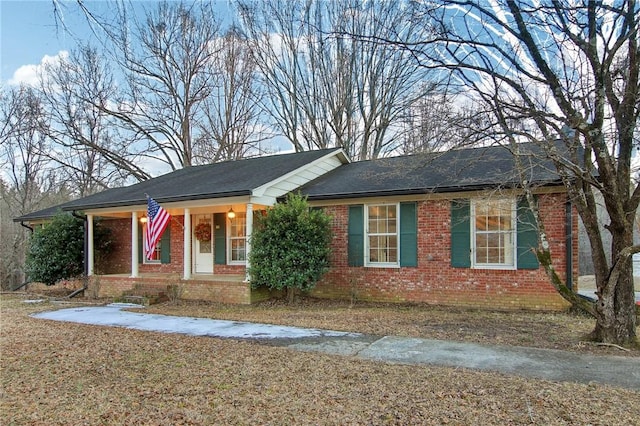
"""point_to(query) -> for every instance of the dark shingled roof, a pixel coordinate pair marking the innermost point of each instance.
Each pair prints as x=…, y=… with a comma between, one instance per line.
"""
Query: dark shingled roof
x=225, y=179
x=43, y=214
x=452, y=171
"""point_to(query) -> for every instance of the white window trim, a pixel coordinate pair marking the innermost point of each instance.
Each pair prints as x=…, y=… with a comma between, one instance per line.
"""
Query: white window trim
x=228, y=242
x=367, y=261
x=514, y=232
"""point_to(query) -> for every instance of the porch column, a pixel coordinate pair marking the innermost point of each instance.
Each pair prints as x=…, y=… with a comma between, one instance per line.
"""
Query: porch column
x=90, y=245
x=187, y=245
x=134, y=245
x=248, y=240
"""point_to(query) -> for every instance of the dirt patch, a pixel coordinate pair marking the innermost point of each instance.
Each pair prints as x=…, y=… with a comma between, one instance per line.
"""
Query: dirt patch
x=72, y=374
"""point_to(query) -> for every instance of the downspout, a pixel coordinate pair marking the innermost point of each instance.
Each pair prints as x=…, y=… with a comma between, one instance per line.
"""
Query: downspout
x=26, y=226
x=569, y=242
x=85, y=263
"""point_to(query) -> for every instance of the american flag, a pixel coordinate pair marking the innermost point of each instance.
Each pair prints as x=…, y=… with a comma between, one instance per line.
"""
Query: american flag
x=157, y=221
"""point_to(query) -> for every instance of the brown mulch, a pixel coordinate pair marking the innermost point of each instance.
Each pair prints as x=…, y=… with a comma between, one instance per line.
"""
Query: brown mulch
x=72, y=374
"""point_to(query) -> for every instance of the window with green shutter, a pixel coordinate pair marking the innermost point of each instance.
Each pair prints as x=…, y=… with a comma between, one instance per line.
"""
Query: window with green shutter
x=163, y=247
x=383, y=235
x=493, y=233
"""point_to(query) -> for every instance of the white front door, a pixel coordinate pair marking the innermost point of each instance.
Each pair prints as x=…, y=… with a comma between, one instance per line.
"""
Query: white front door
x=203, y=250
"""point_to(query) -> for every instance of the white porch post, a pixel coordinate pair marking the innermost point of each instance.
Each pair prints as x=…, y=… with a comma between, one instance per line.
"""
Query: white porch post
x=90, y=245
x=249, y=231
x=134, y=245
x=187, y=245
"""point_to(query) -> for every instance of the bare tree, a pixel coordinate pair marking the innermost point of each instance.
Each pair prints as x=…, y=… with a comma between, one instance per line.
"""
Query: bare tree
x=88, y=144
x=230, y=125
x=28, y=182
x=439, y=122
x=564, y=75
x=326, y=87
x=168, y=65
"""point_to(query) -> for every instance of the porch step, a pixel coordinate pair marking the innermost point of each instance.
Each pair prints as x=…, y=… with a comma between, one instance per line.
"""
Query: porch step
x=144, y=296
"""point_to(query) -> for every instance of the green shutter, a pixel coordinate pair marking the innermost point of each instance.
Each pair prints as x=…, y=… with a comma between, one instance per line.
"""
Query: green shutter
x=140, y=246
x=165, y=245
x=527, y=236
x=355, y=231
x=461, y=233
x=408, y=235
x=220, y=238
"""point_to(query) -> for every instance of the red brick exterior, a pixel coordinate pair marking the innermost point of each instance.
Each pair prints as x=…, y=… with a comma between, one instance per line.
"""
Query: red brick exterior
x=119, y=260
x=231, y=290
x=435, y=281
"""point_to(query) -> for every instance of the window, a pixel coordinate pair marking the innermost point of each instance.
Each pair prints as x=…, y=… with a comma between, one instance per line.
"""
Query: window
x=382, y=235
x=493, y=233
x=157, y=252
x=464, y=233
x=238, y=239
x=161, y=252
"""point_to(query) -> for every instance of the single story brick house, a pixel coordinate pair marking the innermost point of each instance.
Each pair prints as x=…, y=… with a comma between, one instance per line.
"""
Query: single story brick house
x=448, y=228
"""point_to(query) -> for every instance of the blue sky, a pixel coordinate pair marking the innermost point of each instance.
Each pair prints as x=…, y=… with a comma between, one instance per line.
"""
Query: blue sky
x=28, y=31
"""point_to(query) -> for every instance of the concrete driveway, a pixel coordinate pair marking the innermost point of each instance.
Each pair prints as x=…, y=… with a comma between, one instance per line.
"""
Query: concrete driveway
x=521, y=361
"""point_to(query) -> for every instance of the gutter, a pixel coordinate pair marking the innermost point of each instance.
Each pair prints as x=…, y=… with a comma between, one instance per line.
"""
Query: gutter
x=414, y=191
x=140, y=202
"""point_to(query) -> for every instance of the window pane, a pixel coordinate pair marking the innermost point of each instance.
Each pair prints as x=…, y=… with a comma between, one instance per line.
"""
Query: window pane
x=505, y=223
x=494, y=233
x=481, y=223
x=493, y=255
x=205, y=246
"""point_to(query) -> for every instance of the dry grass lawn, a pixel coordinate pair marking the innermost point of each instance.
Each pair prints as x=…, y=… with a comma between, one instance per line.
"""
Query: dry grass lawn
x=56, y=373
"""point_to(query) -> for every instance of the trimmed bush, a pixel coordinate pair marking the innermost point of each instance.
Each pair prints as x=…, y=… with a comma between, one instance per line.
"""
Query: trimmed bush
x=290, y=246
x=56, y=251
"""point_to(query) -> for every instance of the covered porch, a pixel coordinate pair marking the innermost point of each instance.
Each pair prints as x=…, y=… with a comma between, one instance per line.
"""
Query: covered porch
x=202, y=240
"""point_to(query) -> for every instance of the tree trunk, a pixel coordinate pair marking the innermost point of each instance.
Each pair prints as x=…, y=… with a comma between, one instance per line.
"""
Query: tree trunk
x=615, y=309
x=291, y=295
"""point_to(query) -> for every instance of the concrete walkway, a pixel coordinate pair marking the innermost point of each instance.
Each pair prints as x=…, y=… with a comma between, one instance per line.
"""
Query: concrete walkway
x=522, y=361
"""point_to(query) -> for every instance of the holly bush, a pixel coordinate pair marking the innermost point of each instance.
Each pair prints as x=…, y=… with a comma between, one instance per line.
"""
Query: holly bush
x=56, y=250
x=290, y=246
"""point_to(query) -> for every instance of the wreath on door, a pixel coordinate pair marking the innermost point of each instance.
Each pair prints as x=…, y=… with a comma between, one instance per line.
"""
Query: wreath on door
x=203, y=231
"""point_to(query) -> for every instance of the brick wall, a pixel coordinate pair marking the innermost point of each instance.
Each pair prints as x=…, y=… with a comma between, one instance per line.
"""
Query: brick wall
x=119, y=260
x=434, y=281
x=234, y=290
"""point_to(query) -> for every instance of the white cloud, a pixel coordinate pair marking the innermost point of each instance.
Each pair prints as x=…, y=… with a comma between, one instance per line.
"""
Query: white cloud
x=29, y=74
